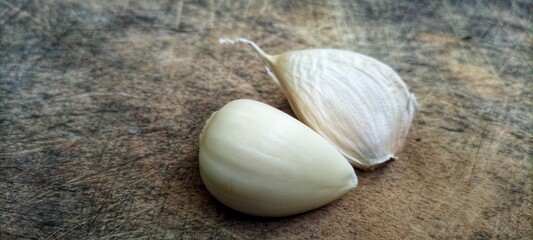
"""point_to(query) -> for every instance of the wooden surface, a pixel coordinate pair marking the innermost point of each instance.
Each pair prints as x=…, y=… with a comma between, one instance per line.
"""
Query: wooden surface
x=102, y=102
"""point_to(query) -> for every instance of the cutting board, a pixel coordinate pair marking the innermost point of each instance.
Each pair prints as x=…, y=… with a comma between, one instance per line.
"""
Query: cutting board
x=102, y=103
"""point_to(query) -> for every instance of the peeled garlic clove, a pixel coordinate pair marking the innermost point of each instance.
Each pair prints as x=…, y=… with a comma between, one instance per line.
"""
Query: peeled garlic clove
x=357, y=103
x=258, y=160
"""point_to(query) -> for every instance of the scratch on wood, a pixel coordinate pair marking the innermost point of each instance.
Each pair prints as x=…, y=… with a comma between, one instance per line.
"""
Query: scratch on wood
x=179, y=10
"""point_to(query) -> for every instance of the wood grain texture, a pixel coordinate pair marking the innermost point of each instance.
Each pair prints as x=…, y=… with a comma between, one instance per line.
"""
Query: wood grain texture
x=102, y=102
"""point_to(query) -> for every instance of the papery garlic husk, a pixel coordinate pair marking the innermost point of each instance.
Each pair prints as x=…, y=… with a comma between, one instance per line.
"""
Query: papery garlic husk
x=259, y=160
x=356, y=102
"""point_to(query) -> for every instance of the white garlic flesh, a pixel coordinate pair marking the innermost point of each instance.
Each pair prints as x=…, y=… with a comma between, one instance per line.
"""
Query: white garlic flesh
x=356, y=102
x=259, y=160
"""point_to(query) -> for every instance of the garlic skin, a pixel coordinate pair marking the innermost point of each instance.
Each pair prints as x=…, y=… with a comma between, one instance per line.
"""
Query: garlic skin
x=356, y=102
x=258, y=160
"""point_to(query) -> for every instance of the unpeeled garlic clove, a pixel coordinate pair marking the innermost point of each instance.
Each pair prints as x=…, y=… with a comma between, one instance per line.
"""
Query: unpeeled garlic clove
x=357, y=103
x=258, y=160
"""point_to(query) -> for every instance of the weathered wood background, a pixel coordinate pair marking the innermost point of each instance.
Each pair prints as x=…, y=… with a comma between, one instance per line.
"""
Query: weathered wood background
x=102, y=102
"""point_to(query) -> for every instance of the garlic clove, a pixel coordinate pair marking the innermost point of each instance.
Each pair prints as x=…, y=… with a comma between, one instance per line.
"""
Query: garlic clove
x=356, y=102
x=258, y=160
